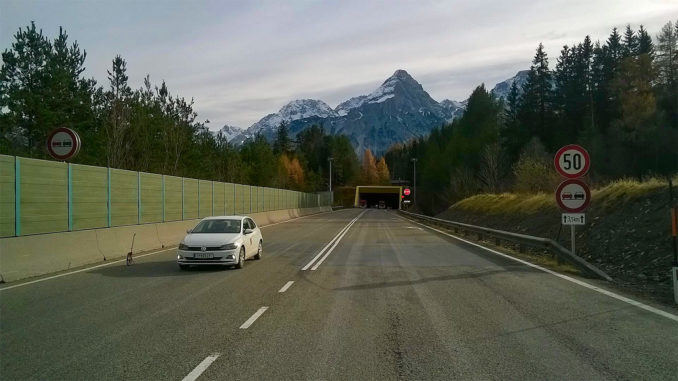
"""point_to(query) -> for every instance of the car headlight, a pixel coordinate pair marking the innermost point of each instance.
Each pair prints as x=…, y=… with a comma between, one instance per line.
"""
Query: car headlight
x=183, y=246
x=228, y=246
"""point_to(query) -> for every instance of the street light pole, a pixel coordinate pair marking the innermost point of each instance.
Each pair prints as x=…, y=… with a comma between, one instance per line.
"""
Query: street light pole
x=331, y=194
x=414, y=161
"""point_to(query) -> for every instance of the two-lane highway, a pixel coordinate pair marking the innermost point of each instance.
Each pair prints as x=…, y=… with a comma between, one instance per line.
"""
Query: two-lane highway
x=351, y=294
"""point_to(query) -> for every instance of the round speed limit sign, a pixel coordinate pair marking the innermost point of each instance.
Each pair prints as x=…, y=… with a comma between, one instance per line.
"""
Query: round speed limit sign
x=572, y=161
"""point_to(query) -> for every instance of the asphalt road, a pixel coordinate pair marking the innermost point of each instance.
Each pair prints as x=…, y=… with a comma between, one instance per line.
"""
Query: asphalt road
x=391, y=300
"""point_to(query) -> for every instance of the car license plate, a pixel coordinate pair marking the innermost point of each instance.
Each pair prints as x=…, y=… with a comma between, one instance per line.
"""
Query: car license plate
x=204, y=255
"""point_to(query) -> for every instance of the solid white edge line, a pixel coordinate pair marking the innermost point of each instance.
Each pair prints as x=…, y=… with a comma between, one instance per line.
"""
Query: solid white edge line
x=565, y=277
x=315, y=267
x=286, y=286
x=83, y=270
x=310, y=263
x=198, y=370
x=336, y=242
x=253, y=318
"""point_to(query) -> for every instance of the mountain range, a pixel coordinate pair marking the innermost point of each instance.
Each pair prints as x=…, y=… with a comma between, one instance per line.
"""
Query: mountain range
x=397, y=111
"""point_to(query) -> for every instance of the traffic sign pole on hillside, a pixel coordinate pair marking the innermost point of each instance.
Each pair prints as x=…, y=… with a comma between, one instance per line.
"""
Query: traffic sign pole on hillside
x=572, y=195
x=674, y=234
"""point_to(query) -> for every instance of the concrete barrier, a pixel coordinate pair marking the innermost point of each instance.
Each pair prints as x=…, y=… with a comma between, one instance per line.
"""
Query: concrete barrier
x=35, y=255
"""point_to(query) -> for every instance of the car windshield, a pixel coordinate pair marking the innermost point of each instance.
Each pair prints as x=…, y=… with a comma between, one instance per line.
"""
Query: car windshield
x=218, y=226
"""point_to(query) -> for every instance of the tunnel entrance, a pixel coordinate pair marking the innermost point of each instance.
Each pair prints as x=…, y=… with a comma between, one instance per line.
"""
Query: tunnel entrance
x=386, y=197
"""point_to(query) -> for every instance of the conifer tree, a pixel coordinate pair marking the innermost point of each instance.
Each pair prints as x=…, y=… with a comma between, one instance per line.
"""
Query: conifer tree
x=536, y=108
x=41, y=88
x=282, y=142
x=513, y=133
x=666, y=63
x=630, y=44
x=117, y=122
x=645, y=45
x=383, y=174
x=369, y=169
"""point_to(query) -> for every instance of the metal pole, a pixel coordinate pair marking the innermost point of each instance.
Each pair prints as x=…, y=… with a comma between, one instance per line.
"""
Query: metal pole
x=163, y=198
x=138, y=198
x=70, y=197
x=17, y=196
x=331, y=194
x=108, y=202
x=674, y=233
x=572, y=238
x=673, y=223
x=414, y=161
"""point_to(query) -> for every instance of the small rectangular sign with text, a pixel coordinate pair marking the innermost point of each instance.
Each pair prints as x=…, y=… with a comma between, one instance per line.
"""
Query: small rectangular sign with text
x=574, y=219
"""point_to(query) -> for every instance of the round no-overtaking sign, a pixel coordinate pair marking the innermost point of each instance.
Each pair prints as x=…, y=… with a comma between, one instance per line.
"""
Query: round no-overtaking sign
x=63, y=143
x=573, y=196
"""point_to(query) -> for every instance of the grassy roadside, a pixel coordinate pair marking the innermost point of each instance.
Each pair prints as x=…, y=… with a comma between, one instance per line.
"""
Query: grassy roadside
x=627, y=233
x=613, y=195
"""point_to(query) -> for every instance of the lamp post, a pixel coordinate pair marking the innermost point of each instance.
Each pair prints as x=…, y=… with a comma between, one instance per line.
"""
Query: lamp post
x=414, y=161
x=331, y=194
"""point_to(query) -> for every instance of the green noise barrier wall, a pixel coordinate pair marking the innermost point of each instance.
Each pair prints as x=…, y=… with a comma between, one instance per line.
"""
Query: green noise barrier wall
x=41, y=196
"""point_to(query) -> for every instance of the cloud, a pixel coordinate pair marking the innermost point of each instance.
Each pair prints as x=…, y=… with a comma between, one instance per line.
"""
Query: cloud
x=241, y=60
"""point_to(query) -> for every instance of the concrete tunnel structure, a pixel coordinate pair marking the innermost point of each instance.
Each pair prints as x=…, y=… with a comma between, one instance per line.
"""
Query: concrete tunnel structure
x=372, y=194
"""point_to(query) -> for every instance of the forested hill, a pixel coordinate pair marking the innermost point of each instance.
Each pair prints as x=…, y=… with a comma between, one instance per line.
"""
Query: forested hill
x=618, y=98
x=149, y=129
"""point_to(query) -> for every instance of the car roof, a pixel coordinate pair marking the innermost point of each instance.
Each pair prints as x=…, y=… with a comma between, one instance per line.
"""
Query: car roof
x=225, y=217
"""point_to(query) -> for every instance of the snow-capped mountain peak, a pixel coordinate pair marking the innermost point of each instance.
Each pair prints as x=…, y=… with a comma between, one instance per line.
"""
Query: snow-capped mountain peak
x=449, y=104
x=230, y=132
x=294, y=110
x=502, y=89
x=384, y=92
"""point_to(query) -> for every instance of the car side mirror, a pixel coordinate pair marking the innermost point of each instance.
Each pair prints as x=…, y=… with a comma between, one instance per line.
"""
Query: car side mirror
x=189, y=231
x=249, y=231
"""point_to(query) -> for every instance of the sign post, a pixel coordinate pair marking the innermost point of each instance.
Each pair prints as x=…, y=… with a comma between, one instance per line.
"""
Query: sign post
x=572, y=195
x=674, y=234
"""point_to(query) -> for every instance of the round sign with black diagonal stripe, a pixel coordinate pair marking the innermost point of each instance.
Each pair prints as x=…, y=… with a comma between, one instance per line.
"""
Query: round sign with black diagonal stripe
x=572, y=161
x=63, y=143
x=573, y=196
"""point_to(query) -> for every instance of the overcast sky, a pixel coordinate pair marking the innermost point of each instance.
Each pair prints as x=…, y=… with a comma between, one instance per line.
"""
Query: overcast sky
x=241, y=60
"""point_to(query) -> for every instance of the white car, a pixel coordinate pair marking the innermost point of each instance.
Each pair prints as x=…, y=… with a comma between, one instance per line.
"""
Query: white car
x=225, y=240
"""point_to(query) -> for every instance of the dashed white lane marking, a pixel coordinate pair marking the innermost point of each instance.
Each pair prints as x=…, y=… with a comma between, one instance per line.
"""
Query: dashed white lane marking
x=83, y=270
x=195, y=373
x=286, y=286
x=334, y=241
x=603, y=291
x=253, y=318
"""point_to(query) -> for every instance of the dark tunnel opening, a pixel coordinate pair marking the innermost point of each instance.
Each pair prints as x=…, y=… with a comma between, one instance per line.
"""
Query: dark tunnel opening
x=372, y=200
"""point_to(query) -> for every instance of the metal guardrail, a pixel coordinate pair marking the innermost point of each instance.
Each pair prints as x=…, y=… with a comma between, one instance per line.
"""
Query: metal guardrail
x=521, y=239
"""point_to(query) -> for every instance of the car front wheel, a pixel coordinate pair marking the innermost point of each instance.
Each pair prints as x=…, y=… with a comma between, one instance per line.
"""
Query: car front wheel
x=241, y=259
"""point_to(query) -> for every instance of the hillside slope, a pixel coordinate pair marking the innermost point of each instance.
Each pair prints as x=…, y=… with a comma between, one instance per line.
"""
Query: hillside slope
x=627, y=233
